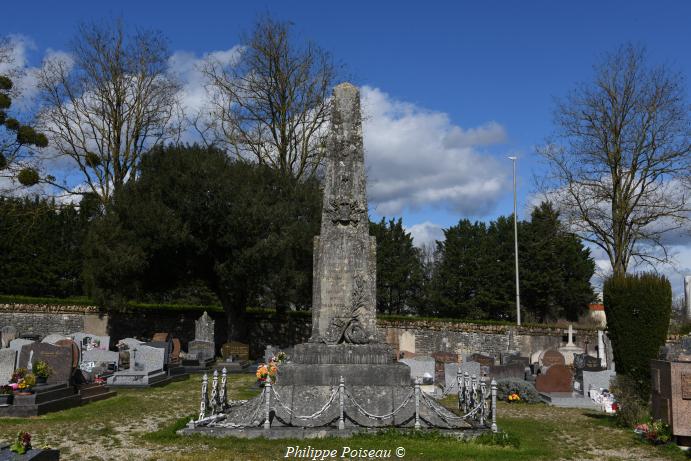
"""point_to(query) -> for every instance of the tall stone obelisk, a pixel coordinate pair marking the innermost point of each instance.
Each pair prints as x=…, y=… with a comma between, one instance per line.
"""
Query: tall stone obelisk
x=344, y=290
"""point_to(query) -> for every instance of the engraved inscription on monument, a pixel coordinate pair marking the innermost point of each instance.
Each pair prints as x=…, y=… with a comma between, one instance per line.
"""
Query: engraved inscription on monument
x=686, y=386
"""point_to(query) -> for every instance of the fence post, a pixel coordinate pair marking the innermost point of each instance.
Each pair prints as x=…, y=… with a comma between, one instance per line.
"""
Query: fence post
x=494, y=406
x=267, y=393
x=483, y=398
x=213, y=401
x=459, y=382
x=202, y=404
x=223, y=396
x=417, y=403
x=341, y=390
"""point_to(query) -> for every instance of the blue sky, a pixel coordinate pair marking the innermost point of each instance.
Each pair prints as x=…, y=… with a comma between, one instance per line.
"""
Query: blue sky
x=475, y=78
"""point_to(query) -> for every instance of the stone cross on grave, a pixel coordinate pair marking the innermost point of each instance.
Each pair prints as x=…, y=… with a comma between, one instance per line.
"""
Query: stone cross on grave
x=570, y=332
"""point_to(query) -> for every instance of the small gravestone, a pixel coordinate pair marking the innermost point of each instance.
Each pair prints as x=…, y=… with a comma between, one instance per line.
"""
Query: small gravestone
x=204, y=344
x=99, y=356
x=58, y=358
x=484, y=360
x=511, y=371
x=235, y=350
x=441, y=359
x=129, y=343
x=161, y=337
x=8, y=333
x=175, y=353
x=551, y=357
x=516, y=359
x=166, y=346
x=557, y=378
x=73, y=347
x=148, y=359
x=88, y=341
x=419, y=366
x=53, y=338
x=8, y=360
x=597, y=380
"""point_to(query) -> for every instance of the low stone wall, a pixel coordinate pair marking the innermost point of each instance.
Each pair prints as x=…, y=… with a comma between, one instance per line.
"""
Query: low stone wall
x=418, y=336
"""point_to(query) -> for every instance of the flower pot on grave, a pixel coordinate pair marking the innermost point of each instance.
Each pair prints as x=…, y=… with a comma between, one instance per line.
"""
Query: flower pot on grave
x=25, y=392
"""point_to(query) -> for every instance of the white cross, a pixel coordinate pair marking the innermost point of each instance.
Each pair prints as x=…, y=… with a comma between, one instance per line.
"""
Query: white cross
x=570, y=332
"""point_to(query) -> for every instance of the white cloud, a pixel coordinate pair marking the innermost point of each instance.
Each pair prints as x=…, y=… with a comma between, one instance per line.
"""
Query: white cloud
x=416, y=157
x=425, y=233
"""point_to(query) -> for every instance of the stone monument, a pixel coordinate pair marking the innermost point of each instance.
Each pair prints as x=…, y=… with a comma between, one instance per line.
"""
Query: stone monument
x=570, y=349
x=687, y=296
x=204, y=345
x=345, y=353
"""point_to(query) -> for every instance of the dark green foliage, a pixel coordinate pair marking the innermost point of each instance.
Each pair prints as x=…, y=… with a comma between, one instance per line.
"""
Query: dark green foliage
x=399, y=268
x=3, y=162
x=40, y=248
x=27, y=177
x=638, y=309
x=195, y=219
x=524, y=389
x=5, y=83
x=12, y=124
x=474, y=276
x=633, y=408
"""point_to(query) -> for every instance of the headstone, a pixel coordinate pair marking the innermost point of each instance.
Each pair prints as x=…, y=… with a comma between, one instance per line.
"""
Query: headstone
x=175, y=353
x=511, y=371
x=440, y=360
x=53, y=338
x=535, y=357
x=8, y=333
x=57, y=357
x=344, y=252
x=570, y=349
x=8, y=360
x=671, y=395
x=485, y=360
x=235, y=350
x=129, y=343
x=166, y=346
x=16, y=345
x=597, y=380
x=73, y=347
x=551, y=357
x=161, y=337
x=88, y=341
x=97, y=356
x=204, y=328
x=557, y=378
x=516, y=359
x=148, y=359
x=473, y=368
x=419, y=366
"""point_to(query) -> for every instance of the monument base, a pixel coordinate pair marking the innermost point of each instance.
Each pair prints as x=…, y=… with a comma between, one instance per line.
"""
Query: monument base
x=46, y=398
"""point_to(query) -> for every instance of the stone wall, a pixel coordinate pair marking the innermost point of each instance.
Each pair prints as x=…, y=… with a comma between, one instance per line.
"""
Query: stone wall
x=421, y=337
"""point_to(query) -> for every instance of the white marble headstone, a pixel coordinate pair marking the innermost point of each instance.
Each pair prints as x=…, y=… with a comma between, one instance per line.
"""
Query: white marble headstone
x=419, y=366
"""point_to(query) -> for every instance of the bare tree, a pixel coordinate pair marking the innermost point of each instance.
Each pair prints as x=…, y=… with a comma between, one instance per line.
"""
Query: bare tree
x=622, y=157
x=106, y=104
x=271, y=105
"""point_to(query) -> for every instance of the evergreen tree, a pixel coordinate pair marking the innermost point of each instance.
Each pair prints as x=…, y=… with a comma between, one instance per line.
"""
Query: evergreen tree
x=399, y=268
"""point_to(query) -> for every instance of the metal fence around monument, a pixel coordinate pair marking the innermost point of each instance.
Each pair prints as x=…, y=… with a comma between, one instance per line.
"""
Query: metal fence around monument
x=477, y=403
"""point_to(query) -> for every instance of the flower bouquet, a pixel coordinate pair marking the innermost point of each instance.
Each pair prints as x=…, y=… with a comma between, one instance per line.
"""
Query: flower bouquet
x=266, y=373
x=22, y=443
x=26, y=384
x=513, y=397
x=42, y=371
x=655, y=432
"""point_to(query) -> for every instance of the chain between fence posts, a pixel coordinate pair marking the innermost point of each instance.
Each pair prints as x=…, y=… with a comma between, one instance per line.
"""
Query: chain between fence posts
x=202, y=404
x=494, y=406
x=417, y=403
x=267, y=392
x=341, y=391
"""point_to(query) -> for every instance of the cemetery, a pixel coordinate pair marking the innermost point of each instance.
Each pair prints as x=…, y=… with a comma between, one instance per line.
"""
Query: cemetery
x=278, y=248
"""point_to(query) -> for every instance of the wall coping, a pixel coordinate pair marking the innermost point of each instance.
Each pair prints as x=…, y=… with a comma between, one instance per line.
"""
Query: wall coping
x=48, y=308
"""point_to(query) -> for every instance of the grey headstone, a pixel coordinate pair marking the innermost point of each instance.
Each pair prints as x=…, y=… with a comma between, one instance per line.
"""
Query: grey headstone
x=88, y=341
x=269, y=353
x=344, y=252
x=203, y=350
x=53, y=338
x=148, y=359
x=419, y=366
x=167, y=347
x=204, y=328
x=597, y=380
x=58, y=358
x=8, y=360
x=100, y=356
x=8, y=333
x=129, y=343
x=16, y=345
x=472, y=368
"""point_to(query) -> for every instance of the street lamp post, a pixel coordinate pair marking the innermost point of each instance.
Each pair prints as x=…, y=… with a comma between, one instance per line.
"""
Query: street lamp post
x=515, y=241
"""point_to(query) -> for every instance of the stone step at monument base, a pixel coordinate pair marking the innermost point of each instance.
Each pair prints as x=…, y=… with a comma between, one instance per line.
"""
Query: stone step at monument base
x=46, y=398
x=138, y=379
x=177, y=372
x=196, y=365
x=94, y=392
x=375, y=400
x=356, y=354
x=569, y=400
